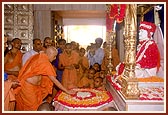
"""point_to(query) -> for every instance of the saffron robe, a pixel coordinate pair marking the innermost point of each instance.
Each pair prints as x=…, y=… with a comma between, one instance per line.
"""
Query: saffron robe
x=115, y=59
x=17, y=61
x=85, y=82
x=29, y=96
x=9, y=97
x=69, y=77
x=82, y=67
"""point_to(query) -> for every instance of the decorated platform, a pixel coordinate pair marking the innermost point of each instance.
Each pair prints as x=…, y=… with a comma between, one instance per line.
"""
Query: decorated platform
x=83, y=100
x=151, y=96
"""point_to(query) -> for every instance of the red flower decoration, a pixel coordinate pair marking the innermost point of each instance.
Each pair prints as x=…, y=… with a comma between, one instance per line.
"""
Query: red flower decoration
x=121, y=68
x=121, y=14
x=115, y=85
x=117, y=12
x=92, y=101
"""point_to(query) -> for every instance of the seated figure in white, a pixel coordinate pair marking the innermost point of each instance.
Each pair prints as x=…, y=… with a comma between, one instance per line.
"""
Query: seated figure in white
x=147, y=56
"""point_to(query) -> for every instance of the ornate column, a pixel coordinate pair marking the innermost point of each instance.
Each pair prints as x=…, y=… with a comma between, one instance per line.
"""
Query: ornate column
x=129, y=81
x=115, y=13
x=110, y=42
x=110, y=36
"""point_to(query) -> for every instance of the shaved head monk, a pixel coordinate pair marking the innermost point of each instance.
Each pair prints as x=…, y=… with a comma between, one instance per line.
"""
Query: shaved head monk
x=9, y=96
x=13, y=59
x=37, y=77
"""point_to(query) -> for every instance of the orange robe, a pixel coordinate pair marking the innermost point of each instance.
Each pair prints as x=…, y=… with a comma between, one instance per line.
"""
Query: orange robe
x=83, y=67
x=115, y=59
x=9, y=97
x=16, y=62
x=28, y=96
x=85, y=82
x=69, y=77
x=102, y=88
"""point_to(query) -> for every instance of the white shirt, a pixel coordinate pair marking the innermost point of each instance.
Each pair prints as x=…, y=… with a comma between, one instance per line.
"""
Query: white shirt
x=97, y=58
x=27, y=55
x=99, y=55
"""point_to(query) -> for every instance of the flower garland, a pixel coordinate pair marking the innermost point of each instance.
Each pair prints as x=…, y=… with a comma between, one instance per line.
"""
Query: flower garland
x=117, y=86
x=151, y=93
x=97, y=98
x=117, y=12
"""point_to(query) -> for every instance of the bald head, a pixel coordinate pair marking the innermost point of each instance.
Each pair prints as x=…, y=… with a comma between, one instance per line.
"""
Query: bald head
x=51, y=53
x=51, y=49
x=45, y=107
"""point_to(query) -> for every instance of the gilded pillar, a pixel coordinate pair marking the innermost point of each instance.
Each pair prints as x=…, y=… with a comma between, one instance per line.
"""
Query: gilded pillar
x=129, y=81
x=110, y=36
x=110, y=39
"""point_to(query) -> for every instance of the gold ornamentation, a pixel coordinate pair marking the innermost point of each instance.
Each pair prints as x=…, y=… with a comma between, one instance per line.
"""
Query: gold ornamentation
x=129, y=81
x=110, y=39
x=18, y=22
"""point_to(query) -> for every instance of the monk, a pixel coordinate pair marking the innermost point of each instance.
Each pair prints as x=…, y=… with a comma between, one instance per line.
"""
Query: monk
x=83, y=63
x=97, y=67
x=45, y=107
x=36, y=78
x=60, y=49
x=75, y=46
x=47, y=42
x=102, y=75
x=37, y=47
x=115, y=58
x=13, y=60
x=9, y=97
x=69, y=62
x=87, y=80
x=98, y=83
